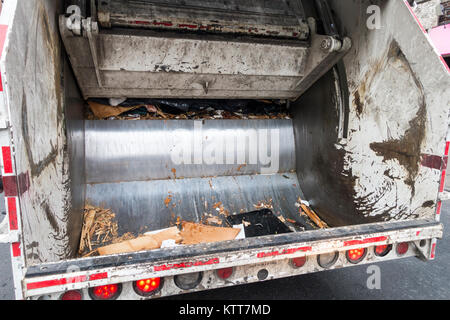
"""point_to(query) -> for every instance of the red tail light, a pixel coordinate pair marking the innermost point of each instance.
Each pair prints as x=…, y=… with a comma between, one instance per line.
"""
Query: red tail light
x=106, y=292
x=383, y=250
x=147, y=287
x=224, y=273
x=298, y=262
x=356, y=255
x=402, y=248
x=72, y=295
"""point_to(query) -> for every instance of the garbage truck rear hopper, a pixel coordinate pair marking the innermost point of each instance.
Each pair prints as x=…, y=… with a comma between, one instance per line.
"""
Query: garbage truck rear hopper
x=354, y=174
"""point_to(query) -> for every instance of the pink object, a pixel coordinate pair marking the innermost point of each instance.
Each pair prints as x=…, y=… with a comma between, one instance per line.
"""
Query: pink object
x=440, y=36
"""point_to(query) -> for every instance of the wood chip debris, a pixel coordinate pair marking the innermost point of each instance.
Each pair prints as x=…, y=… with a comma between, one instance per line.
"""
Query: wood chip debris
x=210, y=219
x=264, y=205
x=218, y=206
x=99, y=234
x=310, y=213
x=99, y=228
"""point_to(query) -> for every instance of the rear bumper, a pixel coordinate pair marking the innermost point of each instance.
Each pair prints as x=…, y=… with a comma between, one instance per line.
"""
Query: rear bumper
x=251, y=252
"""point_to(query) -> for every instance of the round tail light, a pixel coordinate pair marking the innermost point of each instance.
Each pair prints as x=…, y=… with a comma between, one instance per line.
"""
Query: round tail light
x=402, y=248
x=106, y=292
x=147, y=287
x=188, y=281
x=328, y=259
x=356, y=255
x=298, y=262
x=383, y=250
x=224, y=273
x=72, y=295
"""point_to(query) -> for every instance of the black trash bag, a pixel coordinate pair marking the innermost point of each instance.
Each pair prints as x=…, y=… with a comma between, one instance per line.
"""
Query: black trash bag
x=180, y=106
x=259, y=223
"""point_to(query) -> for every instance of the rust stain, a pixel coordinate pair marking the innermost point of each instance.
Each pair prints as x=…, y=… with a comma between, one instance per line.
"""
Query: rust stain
x=220, y=208
x=217, y=205
x=174, y=172
x=167, y=200
x=407, y=149
x=264, y=204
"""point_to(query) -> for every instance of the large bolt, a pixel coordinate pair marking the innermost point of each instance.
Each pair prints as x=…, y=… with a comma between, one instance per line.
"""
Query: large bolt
x=326, y=44
x=330, y=44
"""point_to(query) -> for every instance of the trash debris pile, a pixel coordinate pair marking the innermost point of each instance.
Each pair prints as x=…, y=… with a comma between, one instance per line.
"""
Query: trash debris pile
x=99, y=234
x=165, y=109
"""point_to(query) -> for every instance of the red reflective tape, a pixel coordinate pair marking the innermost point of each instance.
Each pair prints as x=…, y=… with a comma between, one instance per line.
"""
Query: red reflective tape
x=368, y=240
x=431, y=161
x=10, y=186
x=55, y=282
x=141, y=22
x=64, y=281
x=189, y=26
x=417, y=233
x=169, y=266
x=7, y=160
x=12, y=214
x=441, y=186
x=23, y=182
x=447, y=146
x=282, y=252
x=163, y=23
x=433, y=251
x=16, y=249
x=438, y=208
x=98, y=276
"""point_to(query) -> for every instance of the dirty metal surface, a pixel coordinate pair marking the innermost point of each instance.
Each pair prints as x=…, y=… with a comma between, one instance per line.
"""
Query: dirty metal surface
x=397, y=116
x=121, y=150
x=399, y=102
x=74, y=106
x=263, y=18
x=33, y=69
x=142, y=206
x=144, y=63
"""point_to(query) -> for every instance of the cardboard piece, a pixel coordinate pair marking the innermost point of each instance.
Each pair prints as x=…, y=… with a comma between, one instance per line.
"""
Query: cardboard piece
x=103, y=111
x=146, y=242
x=194, y=233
